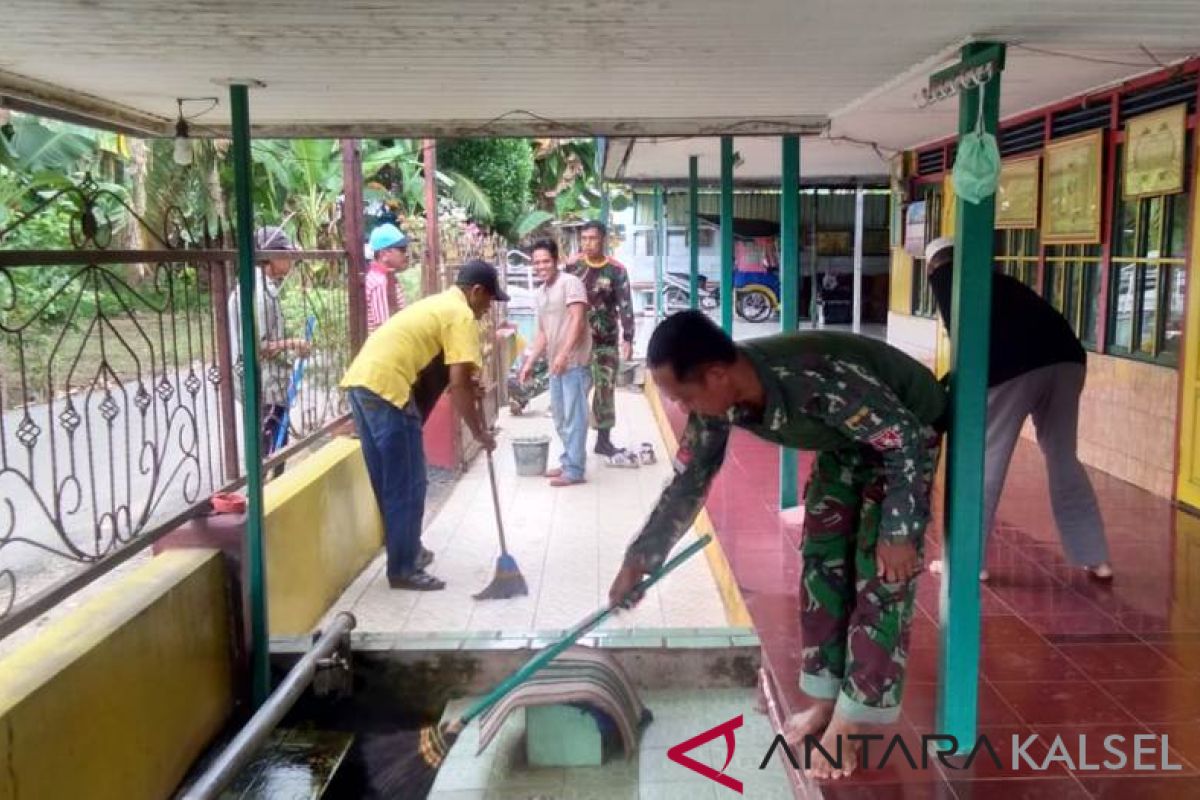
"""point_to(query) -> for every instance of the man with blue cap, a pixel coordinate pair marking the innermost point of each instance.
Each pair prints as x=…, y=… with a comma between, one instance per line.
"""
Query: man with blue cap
x=389, y=249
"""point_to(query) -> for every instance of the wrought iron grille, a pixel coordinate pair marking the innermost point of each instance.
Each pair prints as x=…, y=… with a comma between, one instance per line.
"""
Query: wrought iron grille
x=118, y=398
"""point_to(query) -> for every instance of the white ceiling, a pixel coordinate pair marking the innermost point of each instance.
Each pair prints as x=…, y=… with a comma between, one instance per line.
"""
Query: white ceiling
x=865, y=132
x=558, y=67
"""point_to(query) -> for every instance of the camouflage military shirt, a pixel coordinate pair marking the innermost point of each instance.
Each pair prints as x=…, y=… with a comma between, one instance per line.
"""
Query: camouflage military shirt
x=824, y=391
x=610, y=305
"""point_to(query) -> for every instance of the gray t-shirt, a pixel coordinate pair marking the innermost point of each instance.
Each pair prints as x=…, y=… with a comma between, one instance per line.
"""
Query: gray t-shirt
x=276, y=372
x=554, y=321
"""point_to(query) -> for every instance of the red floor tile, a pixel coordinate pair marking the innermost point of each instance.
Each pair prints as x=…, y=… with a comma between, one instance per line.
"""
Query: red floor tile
x=1183, y=738
x=1004, y=743
x=1121, y=661
x=1054, y=702
x=1027, y=663
x=1074, y=624
x=1154, y=702
x=934, y=790
x=1008, y=630
x=1184, y=654
x=1023, y=789
x=1142, y=788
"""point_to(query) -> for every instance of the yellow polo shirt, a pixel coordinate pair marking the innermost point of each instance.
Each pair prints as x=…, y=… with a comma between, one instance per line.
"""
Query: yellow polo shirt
x=392, y=356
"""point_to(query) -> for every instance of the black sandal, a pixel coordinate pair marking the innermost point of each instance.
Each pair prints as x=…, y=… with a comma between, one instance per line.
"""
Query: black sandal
x=419, y=581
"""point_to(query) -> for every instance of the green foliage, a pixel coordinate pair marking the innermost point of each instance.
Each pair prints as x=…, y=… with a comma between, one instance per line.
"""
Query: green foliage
x=503, y=170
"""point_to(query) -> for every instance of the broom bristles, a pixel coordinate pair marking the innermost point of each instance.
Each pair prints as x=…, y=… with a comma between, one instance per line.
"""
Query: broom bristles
x=503, y=586
x=404, y=765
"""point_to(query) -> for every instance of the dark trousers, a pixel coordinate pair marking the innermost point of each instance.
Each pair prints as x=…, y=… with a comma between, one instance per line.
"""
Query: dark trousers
x=393, y=451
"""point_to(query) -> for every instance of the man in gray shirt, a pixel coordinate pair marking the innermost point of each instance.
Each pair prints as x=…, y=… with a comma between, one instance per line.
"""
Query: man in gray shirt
x=564, y=336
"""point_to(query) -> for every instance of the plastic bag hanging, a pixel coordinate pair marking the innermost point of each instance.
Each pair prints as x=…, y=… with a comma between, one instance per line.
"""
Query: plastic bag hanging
x=977, y=165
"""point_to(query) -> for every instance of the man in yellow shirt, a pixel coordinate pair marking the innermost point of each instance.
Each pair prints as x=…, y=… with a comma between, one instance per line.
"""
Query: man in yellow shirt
x=392, y=385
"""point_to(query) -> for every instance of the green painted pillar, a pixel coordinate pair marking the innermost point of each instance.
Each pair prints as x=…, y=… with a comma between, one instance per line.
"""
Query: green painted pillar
x=254, y=578
x=727, y=234
x=970, y=325
x=660, y=254
x=812, y=262
x=601, y=156
x=694, y=232
x=789, y=258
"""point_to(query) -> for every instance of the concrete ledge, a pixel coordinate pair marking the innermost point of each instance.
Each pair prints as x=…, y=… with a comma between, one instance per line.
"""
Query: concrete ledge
x=118, y=698
x=322, y=528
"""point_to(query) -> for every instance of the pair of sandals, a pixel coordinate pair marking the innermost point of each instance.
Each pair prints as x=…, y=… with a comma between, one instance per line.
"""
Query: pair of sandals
x=629, y=460
x=418, y=580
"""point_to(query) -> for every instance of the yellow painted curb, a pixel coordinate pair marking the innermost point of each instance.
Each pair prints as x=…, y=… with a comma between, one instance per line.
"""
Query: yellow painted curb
x=736, y=613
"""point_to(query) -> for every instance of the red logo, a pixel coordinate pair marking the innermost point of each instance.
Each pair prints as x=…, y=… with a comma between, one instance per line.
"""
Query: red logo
x=725, y=729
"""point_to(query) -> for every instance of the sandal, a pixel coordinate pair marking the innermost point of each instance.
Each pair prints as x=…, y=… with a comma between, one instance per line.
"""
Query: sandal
x=647, y=454
x=624, y=459
x=1101, y=573
x=419, y=581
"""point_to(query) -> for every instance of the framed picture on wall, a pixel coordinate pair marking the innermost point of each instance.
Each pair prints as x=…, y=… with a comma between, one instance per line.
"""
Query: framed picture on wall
x=1154, y=152
x=1071, y=190
x=1017, y=193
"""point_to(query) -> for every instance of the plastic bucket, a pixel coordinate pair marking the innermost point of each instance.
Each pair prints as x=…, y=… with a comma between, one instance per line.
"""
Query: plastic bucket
x=531, y=454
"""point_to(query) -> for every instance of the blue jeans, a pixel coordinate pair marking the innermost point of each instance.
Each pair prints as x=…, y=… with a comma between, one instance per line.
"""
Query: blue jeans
x=392, y=448
x=568, y=401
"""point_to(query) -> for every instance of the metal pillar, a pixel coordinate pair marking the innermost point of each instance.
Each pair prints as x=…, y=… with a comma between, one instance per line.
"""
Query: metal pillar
x=694, y=232
x=727, y=234
x=353, y=241
x=433, y=240
x=970, y=323
x=858, y=256
x=255, y=575
x=789, y=257
x=660, y=253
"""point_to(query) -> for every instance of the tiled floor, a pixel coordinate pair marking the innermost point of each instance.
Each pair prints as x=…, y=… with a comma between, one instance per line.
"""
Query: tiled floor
x=1060, y=655
x=500, y=771
x=568, y=544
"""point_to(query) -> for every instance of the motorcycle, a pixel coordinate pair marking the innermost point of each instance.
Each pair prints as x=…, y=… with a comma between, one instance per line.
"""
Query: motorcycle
x=756, y=295
x=677, y=292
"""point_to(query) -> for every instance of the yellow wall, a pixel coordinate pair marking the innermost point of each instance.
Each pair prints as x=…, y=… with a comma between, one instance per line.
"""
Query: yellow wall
x=900, y=286
x=322, y=528
x=1189, y=433
x=117, y=698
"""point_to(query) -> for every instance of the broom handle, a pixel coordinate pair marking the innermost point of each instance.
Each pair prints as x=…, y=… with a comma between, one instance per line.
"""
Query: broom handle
x=495, y=491
x=552, y=652
x=496, y=503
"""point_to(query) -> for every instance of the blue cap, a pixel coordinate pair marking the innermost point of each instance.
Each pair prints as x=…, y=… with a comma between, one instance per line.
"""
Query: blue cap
x=385, y=236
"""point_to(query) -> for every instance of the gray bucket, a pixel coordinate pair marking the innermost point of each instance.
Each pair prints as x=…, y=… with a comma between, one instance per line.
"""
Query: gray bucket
x=531, y=454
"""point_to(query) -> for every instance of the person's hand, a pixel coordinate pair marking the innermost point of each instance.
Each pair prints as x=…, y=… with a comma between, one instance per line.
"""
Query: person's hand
x=626, y=351
x=560, y=364
x=629, y=577
x=526, y=371
x=480, y=391
x=301, y=347
x=897, y=561
x=486, y=440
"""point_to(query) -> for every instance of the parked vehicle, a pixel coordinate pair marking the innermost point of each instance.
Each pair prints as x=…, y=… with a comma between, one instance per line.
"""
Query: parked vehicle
x=677, y=292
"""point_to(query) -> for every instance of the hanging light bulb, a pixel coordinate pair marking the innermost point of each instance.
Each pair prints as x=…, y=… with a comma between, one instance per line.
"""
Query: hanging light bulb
x=183, y=145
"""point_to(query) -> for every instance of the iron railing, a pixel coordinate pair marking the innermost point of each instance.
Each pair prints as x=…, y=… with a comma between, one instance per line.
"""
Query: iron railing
x=119, y=404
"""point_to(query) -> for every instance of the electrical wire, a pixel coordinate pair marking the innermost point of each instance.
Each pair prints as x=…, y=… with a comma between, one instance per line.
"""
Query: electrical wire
x=1154, y=62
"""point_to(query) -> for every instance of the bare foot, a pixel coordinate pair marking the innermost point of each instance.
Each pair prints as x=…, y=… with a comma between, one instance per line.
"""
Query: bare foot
x=809, y=722
x=839, y=747
x=936, y=567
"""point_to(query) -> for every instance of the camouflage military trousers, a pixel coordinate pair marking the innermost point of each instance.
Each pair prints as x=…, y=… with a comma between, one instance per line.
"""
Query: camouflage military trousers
x=519, y=394
x=854, y=625
x=605, y=361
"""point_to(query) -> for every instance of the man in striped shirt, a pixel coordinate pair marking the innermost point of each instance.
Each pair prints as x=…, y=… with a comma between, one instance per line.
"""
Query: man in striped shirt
x=385, y=297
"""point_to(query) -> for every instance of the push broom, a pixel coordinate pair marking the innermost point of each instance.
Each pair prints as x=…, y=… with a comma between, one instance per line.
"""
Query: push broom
x=508, y=580
x=411, y=759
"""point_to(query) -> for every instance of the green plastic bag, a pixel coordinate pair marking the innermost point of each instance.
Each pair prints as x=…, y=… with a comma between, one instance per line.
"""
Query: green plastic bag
x=977, y=165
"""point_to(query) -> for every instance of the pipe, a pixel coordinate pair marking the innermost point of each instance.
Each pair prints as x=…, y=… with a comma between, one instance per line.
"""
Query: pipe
x=251, y=737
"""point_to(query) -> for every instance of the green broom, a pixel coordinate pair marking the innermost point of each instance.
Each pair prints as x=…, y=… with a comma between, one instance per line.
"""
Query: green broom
x=413, y=758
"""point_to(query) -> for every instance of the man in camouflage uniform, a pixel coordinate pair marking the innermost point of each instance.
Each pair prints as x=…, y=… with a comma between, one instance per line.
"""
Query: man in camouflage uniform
x=874, y=416
x=610, y=314
x=520, y=394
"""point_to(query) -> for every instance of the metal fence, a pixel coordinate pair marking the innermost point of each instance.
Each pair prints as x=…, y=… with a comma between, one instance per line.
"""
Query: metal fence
x=119, y=396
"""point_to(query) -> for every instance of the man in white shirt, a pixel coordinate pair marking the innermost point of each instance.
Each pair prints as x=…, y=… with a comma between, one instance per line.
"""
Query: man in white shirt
x=564, y=336
x=276, y=351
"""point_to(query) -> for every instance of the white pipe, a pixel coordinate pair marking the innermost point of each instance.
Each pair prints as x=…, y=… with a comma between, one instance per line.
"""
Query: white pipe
x=858, y=257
